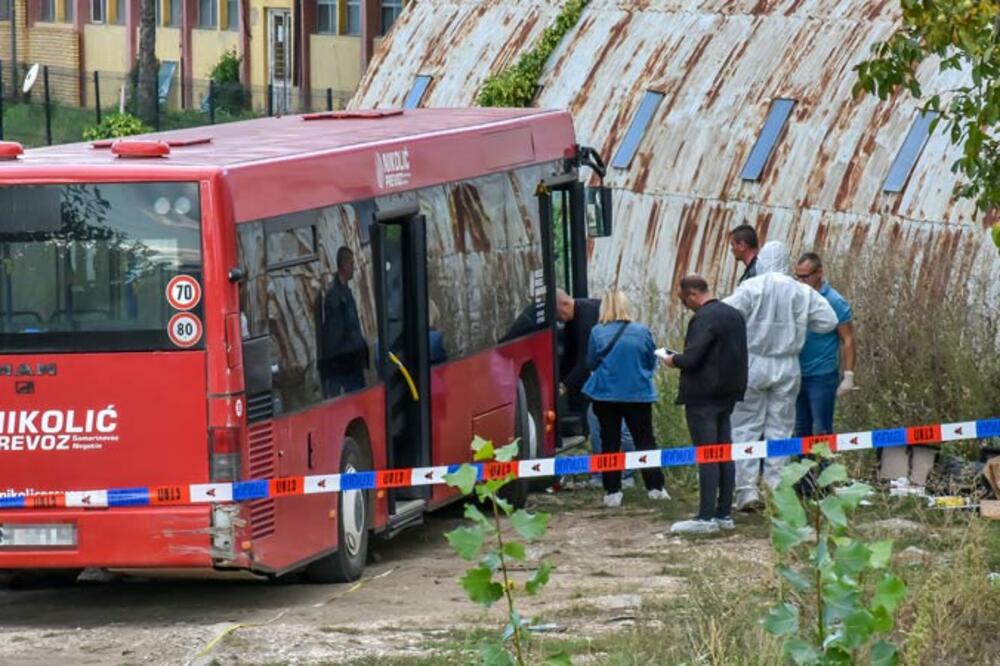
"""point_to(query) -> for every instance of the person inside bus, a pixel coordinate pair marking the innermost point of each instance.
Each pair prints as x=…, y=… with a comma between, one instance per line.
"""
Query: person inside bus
x=434, y=335
x=622, y=358
x=344, y=354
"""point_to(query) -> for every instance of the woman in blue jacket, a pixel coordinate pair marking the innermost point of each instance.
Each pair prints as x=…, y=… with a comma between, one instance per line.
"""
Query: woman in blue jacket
x=621, y=355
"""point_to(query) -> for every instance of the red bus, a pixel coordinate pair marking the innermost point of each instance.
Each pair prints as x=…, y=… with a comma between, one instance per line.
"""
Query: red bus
x=278, y=297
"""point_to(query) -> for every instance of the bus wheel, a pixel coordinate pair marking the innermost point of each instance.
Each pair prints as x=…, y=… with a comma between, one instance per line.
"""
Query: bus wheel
x=348, y=563
x=526, y=430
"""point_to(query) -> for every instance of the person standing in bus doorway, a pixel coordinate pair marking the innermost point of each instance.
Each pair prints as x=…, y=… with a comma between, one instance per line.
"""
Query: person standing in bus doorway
x=744, y=245
x=713, y=369
x=580, y=315
x=778, y=311
x=621, y=356
x=344, y=356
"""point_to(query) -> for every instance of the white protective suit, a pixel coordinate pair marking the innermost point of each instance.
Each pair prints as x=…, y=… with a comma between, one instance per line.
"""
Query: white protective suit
x=778, y=311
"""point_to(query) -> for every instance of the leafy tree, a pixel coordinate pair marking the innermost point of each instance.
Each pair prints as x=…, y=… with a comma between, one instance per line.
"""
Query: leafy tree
x=962, y=36
x=838, y=593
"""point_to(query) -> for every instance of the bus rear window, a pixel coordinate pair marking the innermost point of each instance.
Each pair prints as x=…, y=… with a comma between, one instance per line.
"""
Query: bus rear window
x=85, y=267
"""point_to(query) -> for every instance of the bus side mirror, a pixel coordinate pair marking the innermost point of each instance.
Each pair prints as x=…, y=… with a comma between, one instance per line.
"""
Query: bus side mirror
x=599, y=212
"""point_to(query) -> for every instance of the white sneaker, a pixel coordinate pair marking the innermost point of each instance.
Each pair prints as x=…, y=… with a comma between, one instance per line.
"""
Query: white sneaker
x=747, y=499
x=660, y=494
x=694, y=527
x=725, y=523
x=613, y=500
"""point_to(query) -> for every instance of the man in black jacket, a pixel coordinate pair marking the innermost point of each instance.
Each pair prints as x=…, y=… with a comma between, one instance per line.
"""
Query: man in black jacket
x=713, y=379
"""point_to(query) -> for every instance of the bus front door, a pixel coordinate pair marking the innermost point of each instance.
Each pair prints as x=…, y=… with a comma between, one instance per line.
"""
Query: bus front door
x=404, y=353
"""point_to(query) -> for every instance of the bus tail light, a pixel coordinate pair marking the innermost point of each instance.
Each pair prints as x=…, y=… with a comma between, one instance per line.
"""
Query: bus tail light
x=224, y=450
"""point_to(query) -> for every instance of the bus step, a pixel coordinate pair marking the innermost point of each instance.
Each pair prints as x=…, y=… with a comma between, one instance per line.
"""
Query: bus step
x=570, y=443
x=408, y=513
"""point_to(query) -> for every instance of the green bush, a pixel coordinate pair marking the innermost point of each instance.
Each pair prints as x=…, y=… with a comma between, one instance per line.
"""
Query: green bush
x=230, y=95
x=115, y=125
x=516, y=85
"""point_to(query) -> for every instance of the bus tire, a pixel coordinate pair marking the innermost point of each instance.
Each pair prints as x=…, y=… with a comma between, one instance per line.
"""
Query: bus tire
x=348, y=562
x=526, y=430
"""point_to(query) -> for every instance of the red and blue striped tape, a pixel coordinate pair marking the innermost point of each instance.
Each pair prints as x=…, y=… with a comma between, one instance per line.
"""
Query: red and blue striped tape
x=256, y=489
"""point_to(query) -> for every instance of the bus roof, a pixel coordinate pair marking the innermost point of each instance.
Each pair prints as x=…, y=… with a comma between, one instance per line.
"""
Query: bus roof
x=338, y=157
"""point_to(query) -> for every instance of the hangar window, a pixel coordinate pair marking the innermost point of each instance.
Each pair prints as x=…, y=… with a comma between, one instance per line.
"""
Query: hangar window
x=777, y=116
x=626, y=151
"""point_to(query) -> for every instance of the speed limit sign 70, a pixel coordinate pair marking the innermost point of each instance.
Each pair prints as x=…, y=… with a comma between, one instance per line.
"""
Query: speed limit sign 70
x=184, y=329
x=183, y=292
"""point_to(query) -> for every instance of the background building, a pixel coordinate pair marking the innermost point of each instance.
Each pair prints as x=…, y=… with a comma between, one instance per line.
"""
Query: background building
x=297, y=49
x=713, y=113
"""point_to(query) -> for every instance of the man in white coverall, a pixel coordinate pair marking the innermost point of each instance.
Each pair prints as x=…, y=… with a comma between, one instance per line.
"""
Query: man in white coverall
x=778, y=311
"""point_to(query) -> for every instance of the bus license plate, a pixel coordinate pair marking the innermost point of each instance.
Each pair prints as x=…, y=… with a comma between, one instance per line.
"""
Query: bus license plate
x=37, y=536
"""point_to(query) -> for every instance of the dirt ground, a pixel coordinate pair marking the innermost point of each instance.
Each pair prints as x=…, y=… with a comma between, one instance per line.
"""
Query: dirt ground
x=609, y=563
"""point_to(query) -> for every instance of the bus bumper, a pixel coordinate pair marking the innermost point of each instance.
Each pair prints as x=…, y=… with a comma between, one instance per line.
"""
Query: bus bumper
x=148, y=537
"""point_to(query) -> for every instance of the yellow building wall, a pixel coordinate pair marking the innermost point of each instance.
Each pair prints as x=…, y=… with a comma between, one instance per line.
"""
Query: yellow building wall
x=58, y=46
x=104, y=51
x=335, y=62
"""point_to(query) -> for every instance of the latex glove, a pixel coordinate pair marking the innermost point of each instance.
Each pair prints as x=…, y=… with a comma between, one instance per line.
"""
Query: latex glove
x=846, y=384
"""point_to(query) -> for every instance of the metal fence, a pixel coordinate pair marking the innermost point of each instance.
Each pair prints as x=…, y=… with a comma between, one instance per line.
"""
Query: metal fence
x=56, y=105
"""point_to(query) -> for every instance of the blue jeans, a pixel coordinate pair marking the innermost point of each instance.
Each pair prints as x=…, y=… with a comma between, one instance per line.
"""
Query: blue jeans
x=814, y=407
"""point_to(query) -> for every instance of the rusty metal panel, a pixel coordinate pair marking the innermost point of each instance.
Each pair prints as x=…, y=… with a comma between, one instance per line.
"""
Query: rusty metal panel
x=719, y=64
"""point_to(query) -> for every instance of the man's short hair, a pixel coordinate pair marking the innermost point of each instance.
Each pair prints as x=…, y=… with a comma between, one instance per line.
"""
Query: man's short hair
x=343, y=254
x=693, y=284
x=745, y=234
x=813, y=259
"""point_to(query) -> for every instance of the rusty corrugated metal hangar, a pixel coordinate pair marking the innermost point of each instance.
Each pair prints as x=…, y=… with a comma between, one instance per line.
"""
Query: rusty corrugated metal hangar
x=714, y=79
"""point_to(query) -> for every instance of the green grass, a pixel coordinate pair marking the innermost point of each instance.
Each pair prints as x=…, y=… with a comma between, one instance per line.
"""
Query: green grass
x=25, y=122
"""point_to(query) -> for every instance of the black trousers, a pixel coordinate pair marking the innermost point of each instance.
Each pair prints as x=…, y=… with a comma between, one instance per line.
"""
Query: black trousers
x=709, y=424
x=639, y=419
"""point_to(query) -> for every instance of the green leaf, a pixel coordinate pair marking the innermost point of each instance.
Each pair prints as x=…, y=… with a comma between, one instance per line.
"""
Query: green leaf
x=858, y=628
x=853, y=556
x=889, y=593
x=798, y=582
x=881, y=554
x=558, y=659
x=840, y=599
x=464, y=478
x=495, y=654
x=832, y=474
x=509, y=452
x=467, y=541
x=883, y=620
x=491, y=561
x=488, y=489
x=540, y=579
x=503, y=504
x=482, y=449
x=531, y=526
x=801, y=652
x=473, y=513
x=513, y=550
x=785, y=536
x=788, y=506
x=852, y=495
x=793, y=473
x=833, y=509
x=478, y=584
x=884, y=653
x=836, y=656
x=782, y=620
x=822, y=451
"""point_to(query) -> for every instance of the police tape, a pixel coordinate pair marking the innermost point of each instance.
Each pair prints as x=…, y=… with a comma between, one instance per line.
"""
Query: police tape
x=258, y=489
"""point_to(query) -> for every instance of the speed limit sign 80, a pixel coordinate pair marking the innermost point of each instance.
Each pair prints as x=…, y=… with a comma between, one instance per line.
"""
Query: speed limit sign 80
x=184, y=329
